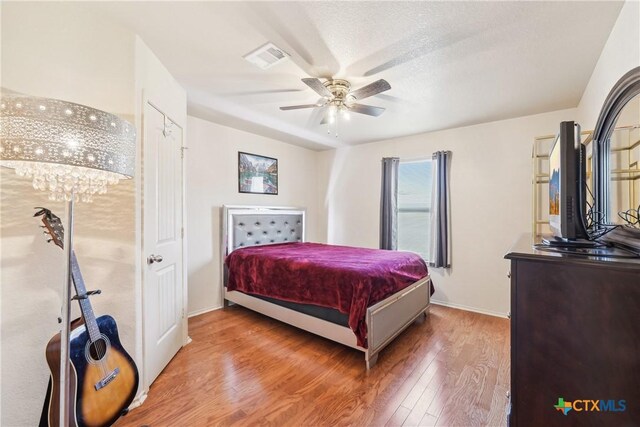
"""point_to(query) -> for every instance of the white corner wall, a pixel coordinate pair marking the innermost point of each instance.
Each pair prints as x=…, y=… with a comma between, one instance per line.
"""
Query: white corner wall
x=620, y=54
x=212, y=181
x=490, y=200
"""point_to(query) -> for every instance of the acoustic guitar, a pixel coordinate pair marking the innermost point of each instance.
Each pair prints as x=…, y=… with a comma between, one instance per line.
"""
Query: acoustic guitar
x=103, y=377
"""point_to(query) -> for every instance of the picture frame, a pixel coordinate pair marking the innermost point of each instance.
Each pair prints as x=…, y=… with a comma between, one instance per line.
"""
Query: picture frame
x=257, y=174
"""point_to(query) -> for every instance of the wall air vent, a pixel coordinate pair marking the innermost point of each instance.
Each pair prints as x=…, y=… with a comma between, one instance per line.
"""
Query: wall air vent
x=266, y=56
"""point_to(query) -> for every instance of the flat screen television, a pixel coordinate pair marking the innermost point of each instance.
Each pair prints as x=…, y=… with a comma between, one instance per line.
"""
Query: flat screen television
x=567, y=197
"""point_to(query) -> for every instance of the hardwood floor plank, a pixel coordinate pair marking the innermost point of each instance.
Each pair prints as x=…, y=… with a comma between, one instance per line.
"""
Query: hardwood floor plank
x=428, y=421
x=245, y=369
x=470, y=391
x=398, y=417
x=420, y=408
x=499, y=399
x=384, y=408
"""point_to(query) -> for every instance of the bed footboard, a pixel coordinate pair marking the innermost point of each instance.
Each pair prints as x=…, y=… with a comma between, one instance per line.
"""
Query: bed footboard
x=388, y=318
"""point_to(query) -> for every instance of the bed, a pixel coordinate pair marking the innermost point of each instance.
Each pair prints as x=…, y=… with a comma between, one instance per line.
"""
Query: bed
x=280, y=232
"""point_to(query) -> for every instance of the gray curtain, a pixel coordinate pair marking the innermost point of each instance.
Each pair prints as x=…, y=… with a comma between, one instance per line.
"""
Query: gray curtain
x=389, y=204
x=440, y=248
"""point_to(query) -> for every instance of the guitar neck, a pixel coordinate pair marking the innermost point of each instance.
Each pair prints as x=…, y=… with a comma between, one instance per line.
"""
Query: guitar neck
x=85, y=304
x=54, y=228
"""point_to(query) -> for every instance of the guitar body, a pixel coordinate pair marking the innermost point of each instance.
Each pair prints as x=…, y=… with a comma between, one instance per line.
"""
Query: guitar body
x=103, y=377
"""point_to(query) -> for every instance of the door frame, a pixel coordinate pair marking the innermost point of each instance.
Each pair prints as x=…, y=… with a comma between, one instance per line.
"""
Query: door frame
x=142, y=253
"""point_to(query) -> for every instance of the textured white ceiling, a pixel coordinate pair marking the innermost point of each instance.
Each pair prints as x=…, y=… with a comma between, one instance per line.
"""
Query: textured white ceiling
x=449, y=64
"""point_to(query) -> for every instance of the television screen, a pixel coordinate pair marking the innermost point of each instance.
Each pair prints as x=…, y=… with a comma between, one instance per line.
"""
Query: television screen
x=566, y=185
x=554, y=188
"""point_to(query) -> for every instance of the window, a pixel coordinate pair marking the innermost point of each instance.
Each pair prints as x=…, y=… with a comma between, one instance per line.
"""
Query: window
x=414, y=206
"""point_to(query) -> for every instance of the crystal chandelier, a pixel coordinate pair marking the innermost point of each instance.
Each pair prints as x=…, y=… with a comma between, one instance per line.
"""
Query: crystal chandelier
x=69, y=150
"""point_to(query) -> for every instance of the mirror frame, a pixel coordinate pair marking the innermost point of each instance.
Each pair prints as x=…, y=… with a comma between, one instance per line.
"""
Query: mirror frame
x=622, y=92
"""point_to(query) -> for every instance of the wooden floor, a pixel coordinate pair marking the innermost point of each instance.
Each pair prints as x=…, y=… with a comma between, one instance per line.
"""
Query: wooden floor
x=245, y=369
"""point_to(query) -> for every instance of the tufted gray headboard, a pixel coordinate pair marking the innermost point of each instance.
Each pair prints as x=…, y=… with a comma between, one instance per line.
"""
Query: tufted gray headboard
x=244, y=226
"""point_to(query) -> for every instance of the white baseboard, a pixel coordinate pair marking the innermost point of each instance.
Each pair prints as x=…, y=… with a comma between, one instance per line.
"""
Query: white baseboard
x=139, y=400
x=203, y=311
x=467, y=308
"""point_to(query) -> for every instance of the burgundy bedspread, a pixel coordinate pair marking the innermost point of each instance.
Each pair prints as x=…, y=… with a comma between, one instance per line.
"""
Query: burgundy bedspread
x=345, y=278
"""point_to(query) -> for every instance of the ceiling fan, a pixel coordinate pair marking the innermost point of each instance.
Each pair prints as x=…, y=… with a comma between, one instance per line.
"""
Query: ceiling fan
x=337, y=96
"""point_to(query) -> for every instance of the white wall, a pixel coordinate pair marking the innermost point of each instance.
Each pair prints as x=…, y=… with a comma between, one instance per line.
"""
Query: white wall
x=490, y=200
x=620, y=54
x=58, y=50
x=212, y=181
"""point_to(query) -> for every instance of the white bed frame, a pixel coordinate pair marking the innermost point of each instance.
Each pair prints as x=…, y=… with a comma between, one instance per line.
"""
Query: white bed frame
x=385, y=320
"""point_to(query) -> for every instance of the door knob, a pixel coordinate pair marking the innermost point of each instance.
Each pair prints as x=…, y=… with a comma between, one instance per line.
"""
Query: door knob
x=154, y=258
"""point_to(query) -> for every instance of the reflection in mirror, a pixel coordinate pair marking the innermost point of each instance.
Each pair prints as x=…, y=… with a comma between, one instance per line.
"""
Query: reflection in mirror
x=624, y=166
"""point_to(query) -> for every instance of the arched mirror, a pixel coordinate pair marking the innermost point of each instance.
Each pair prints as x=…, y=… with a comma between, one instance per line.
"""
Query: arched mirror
x=616, y=144
x=624, y=166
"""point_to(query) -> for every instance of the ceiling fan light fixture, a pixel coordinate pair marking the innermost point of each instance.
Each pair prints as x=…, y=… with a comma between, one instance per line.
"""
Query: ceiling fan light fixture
x=331, y=114
x=339, y=101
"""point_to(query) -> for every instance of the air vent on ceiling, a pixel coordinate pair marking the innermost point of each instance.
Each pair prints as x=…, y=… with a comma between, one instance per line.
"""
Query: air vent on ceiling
x=266, y=56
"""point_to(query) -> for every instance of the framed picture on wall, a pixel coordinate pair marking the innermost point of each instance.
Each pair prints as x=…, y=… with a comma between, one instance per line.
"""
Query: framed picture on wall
x=257, y=174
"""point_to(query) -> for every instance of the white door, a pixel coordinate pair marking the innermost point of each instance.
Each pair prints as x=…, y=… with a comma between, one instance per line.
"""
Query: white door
x=162, y=240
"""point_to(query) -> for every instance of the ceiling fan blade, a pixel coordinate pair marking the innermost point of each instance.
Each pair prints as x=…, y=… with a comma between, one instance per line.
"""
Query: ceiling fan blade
x=369, y=110
x=371, y=89
x=316, y=116
x=262, y=92
x=318, y=87
x=298, y=107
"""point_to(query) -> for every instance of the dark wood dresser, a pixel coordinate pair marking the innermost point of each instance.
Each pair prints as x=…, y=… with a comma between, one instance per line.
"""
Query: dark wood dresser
x=575, y=336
